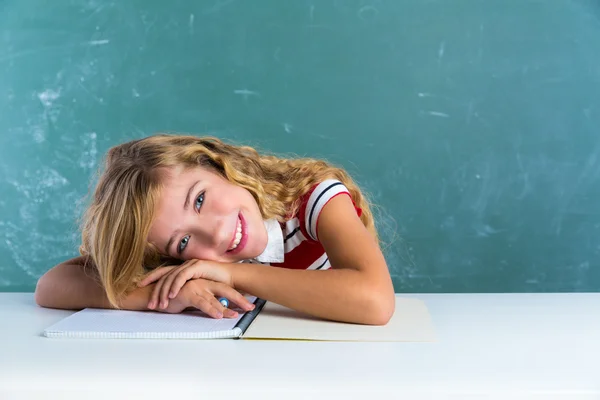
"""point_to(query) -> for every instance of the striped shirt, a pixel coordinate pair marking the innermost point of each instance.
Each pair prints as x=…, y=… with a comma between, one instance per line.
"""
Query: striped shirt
x=301, y=242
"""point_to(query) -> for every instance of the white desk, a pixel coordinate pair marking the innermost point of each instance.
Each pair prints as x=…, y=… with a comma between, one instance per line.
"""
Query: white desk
x=489, y=345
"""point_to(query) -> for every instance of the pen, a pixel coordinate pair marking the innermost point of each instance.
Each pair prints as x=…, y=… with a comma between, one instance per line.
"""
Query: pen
x=224, y=301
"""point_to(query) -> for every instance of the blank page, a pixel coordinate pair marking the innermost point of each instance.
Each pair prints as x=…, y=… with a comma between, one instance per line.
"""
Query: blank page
x=125, y=324
x=411, y=322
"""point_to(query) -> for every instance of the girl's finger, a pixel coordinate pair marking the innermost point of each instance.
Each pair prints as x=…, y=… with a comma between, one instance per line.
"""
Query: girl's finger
x=204, y=304
x=221, y=289
x=154, y=276
x=226, y=312
x=167, y=284
x=230, y=313
x=182, y=277
x=154, y=297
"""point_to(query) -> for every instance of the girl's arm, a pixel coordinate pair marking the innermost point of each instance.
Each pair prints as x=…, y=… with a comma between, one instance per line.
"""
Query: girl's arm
x=358, y=288
x=73, y=285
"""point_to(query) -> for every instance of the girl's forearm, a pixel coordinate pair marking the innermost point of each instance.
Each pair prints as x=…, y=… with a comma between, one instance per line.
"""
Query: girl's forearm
x=338, y=294
x=72, y=286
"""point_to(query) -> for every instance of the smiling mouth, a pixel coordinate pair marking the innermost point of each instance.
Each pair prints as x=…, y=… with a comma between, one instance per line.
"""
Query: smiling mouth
x=240, y=237
x=237, y=237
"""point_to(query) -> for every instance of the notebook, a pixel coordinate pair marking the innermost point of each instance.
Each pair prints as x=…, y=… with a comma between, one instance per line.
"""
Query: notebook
x=411, y=323
x=95, y=323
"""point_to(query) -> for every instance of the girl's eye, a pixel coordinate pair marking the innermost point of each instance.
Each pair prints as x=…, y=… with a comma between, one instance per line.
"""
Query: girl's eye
x=182, y=244
x=186, y=239
x=199, y=201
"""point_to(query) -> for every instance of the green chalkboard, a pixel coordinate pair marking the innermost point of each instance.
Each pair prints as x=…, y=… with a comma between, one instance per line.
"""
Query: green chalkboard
x=475, y=125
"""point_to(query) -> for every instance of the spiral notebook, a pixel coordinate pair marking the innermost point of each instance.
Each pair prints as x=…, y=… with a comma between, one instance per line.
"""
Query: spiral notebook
x=411, y=323
x=94, y=323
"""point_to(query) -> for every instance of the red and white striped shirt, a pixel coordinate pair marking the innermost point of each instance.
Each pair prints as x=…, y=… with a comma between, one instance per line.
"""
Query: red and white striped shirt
x=302, y=249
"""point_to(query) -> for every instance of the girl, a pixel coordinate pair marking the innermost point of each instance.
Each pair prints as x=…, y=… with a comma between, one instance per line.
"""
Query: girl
x=178, y=221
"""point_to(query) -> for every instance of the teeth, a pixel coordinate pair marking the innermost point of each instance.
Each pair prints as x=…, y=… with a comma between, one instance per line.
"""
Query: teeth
x=238, y=236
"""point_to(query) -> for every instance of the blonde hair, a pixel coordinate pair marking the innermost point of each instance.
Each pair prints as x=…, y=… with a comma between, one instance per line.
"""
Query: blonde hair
x=116, y=224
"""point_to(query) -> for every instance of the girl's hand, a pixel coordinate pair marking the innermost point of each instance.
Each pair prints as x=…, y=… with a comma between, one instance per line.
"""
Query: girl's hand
x=171, y=279
x=200, y=294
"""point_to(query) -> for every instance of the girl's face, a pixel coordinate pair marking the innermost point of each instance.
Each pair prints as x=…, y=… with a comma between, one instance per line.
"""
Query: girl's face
x=201, y=215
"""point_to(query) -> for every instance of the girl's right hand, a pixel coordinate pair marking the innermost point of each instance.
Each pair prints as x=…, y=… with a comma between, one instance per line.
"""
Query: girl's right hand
x=202, y=294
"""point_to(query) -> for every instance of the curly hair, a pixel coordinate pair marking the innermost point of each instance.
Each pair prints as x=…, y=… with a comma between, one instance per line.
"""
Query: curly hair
x=116, y=224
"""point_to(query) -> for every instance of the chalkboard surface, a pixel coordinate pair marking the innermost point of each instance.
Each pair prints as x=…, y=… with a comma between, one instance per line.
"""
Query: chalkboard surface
x=475, y=125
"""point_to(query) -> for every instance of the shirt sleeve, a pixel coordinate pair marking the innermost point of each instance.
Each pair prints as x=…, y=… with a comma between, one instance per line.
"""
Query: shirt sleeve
x=314, y=202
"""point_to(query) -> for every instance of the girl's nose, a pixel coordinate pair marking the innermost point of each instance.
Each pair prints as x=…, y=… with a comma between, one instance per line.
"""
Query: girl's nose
x=214, y=231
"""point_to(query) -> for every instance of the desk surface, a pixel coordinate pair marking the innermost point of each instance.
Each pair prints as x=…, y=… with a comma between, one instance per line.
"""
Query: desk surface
x=497, y=345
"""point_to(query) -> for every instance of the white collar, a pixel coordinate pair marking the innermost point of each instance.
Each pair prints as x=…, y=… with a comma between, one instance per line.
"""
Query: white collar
x=274, y=252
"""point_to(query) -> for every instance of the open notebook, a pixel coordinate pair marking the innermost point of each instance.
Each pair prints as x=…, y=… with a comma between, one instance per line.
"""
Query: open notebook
x=411, y=323
x=95, y=323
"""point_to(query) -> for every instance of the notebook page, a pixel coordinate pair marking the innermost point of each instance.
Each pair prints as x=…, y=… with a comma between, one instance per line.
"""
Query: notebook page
x=103, y=323
x=411, y=322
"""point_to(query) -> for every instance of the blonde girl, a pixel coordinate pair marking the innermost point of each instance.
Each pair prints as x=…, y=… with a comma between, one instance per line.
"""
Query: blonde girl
x=178, y=221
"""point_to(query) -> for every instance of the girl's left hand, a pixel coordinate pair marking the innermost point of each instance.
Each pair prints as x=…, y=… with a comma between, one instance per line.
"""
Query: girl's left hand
x=171, y=279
